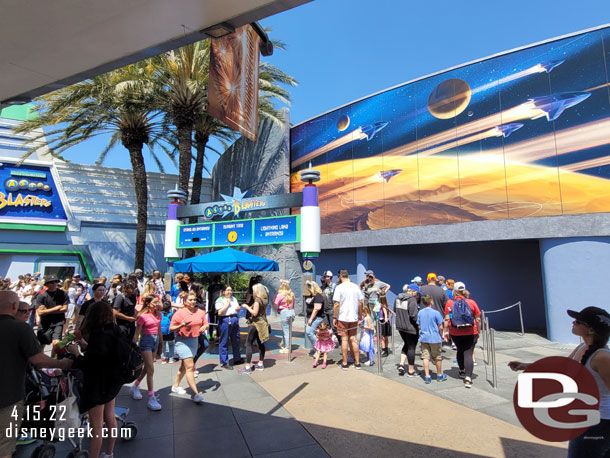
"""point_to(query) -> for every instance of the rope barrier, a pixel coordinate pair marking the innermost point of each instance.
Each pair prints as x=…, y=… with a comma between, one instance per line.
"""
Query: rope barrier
x=501, y=310
x=518, y=304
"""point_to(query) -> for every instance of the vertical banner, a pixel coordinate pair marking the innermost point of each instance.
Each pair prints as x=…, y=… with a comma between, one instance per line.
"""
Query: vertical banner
x=233, y=81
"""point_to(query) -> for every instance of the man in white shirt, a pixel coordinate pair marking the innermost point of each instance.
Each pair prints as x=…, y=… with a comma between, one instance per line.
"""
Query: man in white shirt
x=348, y=301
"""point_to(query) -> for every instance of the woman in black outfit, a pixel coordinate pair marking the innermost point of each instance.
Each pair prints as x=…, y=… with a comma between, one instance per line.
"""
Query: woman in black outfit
x=406, y=323
x=202, y=340
x=102, y=379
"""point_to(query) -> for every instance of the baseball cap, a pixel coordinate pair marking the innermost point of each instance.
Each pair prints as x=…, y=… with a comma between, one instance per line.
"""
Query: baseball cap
x=328, y=273
x=440, y=278
x=415, y=287
x=138, y=271
x=431, y=276
x=369, y=273
x=50, y=279
x=459, y=286
x=416, y=279
x=596, y=318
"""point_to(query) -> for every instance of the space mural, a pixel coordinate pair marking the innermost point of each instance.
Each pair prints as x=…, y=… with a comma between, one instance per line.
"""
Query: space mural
x=524, y=134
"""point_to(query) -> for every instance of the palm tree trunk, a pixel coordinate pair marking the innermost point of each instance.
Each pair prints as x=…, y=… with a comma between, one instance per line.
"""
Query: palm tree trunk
x=201, y=141
x=185, y=143
x=141, y=188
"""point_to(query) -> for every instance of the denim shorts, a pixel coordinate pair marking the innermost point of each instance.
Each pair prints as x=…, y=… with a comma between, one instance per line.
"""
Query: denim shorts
x=186, y=347
x=149, y=342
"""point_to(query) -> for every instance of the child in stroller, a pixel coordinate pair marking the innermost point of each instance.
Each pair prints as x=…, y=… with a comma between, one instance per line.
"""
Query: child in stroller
x=44, y=415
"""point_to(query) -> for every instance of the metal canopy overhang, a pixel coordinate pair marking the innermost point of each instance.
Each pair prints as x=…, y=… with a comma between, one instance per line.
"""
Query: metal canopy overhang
x=47, y=45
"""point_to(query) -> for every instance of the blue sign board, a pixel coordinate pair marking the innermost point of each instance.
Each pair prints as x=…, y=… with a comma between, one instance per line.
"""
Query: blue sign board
x=233, y=233
x=196, y=235
x=258, y=231
x=29, y=195
x=276, y=230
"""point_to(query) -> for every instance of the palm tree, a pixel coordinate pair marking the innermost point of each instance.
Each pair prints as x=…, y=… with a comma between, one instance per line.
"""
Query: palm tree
x=121, y=103
x=182, y=78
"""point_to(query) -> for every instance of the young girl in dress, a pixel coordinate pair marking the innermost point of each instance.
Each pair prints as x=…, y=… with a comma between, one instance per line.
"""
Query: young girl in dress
x=324, y=343
x=366, y=337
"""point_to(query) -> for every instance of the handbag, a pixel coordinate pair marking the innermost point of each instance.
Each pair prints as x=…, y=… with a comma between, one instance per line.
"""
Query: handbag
x=45, y=336
x=67, y=413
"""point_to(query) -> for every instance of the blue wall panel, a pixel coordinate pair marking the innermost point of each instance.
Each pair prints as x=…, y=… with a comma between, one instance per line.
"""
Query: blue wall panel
x=497, y=274
x=575, y=271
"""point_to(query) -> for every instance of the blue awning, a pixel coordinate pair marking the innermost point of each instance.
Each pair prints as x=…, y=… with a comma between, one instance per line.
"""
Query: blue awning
x=225, y=260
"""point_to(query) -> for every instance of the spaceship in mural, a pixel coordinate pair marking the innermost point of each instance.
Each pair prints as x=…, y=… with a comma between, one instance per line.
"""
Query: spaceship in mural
x=551, y=106
x=506, y=129
x=371, y=129
x=387, y=175
x=550, y=65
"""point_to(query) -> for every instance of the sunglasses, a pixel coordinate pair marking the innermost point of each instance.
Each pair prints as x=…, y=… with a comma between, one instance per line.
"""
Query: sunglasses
x=25, y=310
x=582, y=323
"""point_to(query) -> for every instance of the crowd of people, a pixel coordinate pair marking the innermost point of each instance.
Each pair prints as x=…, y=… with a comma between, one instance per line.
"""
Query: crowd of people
x=431, y=313
x=177, y=325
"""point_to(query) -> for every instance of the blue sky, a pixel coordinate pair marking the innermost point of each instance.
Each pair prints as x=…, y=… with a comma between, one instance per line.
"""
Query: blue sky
x=342, y=50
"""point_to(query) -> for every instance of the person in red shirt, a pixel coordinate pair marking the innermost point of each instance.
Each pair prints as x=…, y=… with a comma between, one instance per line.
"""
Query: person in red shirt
x=464, y=335
x=188, y=323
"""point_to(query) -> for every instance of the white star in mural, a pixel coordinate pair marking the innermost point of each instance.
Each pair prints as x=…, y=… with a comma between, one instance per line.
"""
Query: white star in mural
x=237, y=195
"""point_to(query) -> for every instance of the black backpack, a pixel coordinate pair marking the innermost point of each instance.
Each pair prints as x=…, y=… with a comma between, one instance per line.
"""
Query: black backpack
x=129, y=356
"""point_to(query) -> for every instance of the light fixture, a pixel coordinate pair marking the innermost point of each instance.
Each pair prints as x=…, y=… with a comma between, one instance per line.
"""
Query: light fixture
x=219, y=30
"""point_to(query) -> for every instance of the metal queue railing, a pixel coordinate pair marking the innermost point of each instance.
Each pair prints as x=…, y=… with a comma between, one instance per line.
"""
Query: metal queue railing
x=488, y=340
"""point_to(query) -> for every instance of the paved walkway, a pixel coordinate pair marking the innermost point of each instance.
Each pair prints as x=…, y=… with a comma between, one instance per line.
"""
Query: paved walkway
x=293, y=410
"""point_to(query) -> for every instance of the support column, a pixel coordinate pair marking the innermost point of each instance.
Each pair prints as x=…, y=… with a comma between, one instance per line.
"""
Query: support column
x=573, y=273
x=362, y=263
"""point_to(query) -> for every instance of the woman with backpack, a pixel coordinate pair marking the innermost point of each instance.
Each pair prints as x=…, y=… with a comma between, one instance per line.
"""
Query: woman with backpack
x=148, y=327
x=102, y=377
x=406, y=324
x=462, y=324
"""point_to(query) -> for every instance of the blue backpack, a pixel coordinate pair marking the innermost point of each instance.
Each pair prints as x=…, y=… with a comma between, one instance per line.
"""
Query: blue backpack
x=166, y=319
x=461, y=314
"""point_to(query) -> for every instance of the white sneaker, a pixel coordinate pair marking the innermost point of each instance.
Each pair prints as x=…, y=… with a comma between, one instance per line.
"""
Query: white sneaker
x=284, y=350
x=197, y=398
x=135, y=392
x=178, y=390
x=195, y=374
x=153, y=403
x=105, y=455
x=368, y=363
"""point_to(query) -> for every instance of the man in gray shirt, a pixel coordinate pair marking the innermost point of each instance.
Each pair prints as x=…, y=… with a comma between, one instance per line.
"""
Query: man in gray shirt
x=373, y=288
x=439, y=296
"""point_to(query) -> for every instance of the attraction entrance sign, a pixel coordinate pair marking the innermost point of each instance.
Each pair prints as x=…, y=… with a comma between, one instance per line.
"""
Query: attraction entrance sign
x=303, y=228
x=259, y=231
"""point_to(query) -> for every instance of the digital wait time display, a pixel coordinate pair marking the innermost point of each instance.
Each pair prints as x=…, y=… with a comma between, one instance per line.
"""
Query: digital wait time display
x=258, y=231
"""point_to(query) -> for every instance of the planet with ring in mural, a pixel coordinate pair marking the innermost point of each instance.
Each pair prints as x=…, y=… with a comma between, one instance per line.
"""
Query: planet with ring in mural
x=449, y=98
x=343, y=123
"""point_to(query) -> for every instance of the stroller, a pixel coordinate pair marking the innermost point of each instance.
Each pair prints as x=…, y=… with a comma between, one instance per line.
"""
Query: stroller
x=44, y=390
